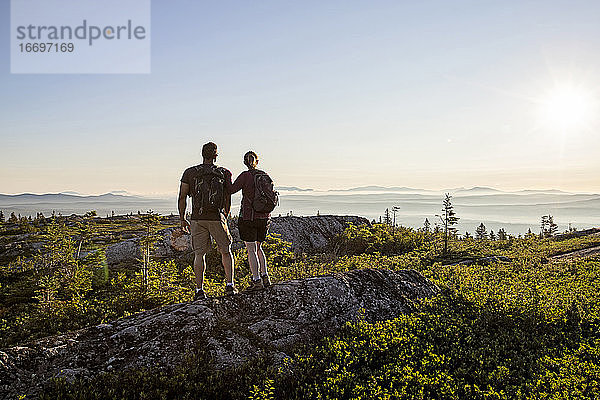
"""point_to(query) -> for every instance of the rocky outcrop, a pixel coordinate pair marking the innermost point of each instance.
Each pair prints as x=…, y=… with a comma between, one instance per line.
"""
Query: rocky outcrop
x=306, y=234
x=125, y=252
x=484, y=260
x=309, y=234
x=270, y=323
x=574, y=234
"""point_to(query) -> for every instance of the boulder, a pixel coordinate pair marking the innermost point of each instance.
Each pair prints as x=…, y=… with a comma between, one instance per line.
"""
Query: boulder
x=125, y=252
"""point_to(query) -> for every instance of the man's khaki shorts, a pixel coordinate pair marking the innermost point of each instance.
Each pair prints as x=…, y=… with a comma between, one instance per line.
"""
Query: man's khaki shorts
x=202, y=230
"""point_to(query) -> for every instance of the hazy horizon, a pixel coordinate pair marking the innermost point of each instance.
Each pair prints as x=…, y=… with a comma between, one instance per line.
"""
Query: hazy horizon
x=310, y=190
x=515, y=212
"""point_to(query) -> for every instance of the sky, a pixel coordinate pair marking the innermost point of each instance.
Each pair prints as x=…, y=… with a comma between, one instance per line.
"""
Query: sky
x=330, y=94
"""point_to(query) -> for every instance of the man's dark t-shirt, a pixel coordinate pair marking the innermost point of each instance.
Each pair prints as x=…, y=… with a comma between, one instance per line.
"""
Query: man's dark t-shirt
x=189, y=177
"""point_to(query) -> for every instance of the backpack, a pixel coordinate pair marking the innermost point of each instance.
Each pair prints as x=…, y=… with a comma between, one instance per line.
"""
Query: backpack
x=265, y=197
x=208, y=191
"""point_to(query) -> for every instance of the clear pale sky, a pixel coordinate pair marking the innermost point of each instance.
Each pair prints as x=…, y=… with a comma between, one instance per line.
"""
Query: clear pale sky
x=330, y=94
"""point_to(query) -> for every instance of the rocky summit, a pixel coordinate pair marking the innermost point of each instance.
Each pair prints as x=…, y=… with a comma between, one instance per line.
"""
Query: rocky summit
x=232, y=330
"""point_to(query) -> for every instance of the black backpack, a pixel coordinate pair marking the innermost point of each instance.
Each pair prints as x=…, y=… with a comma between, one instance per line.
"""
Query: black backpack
x=265, y=197
x=209, y=189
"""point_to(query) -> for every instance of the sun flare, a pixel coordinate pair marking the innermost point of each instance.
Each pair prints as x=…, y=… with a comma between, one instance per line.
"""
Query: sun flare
x=567, y=107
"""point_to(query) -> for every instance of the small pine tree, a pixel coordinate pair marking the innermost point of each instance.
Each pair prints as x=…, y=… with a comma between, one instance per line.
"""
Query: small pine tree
x=547, y=226
x=544, y=226
x=426, y=226
x=552, y=227
x=85, y=230
x=387, y=218
x=467, y=235
x=481, y=232
x=1, y=217
x=395, y=209
x=449, y=219
x=13, y=218
x=502, y=234
x=150, y=221
x=492, y=235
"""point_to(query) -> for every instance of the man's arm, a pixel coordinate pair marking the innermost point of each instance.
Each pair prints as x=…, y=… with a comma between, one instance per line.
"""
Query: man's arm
x=184, y=189
x=228, y=186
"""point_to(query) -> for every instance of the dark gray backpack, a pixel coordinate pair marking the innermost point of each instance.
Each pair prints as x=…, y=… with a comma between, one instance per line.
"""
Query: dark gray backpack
x=209, y=188
x=265, y=197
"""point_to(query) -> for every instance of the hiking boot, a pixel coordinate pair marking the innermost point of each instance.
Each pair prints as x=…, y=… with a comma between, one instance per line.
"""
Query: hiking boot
x=230, y=290
x=255, y=286
x=266, y=281
x=200, y=295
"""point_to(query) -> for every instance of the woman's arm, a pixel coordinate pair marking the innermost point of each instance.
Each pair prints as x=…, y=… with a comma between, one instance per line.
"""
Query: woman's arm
x=238, y=184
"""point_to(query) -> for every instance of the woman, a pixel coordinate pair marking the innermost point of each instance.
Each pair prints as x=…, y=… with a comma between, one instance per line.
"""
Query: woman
x=253, y=225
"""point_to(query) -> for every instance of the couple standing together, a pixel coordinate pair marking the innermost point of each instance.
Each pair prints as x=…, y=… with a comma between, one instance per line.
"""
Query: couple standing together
x=210, y=188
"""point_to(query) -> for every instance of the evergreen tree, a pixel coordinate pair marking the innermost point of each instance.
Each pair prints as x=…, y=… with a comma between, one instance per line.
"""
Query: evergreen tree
x=387, y=218
x=467, y=235
x=492, y=235
x=481, y=232
x=13, y=218
x=85, y=230
x=544, y=226
x=427, y=226
x=150, y=221
x=395, y=209
x=1, y=217
x=449, y=219
x=547, y=226
x=502, y=234
x=552, y=227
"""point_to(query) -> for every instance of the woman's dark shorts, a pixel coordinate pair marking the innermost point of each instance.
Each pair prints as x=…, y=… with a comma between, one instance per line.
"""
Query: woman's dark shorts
x=253, y=231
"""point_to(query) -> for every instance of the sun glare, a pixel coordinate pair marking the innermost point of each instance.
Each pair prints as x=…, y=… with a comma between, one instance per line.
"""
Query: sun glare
x=567, y=107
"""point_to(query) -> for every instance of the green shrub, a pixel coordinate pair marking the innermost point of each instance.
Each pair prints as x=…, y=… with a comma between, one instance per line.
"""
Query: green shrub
x=378, y=238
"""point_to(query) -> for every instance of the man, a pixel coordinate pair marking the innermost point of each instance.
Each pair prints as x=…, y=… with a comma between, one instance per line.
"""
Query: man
x=208, y=185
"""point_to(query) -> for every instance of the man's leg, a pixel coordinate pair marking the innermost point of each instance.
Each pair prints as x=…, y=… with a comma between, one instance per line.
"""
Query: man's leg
x=220, y=232
x=227, y=260
x=200, y=244
x=253, y=259
x=199, y=268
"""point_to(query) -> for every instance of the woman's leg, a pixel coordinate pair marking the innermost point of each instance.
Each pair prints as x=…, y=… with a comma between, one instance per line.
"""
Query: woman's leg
x=262, y=260
x=253, y=259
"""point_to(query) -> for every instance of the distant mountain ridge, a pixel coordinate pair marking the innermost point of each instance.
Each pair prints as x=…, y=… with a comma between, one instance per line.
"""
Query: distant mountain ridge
x=292, y=189
x=374, y=188
x=479, y=190
x=63, y=197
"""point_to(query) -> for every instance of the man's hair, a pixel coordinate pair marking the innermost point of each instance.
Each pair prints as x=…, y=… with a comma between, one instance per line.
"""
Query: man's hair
x=250, y=158
x=209, y=151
